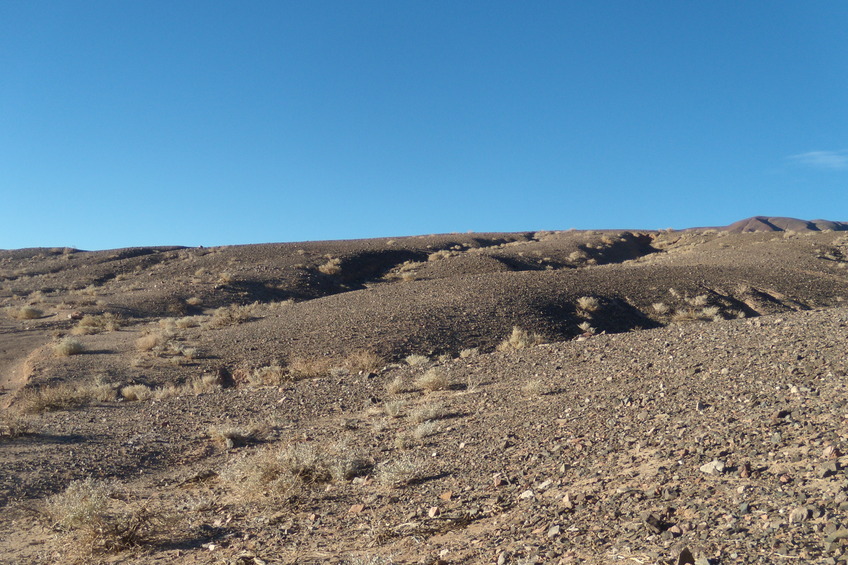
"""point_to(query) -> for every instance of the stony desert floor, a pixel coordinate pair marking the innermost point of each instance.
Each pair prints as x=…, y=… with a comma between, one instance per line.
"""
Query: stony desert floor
x=605, y=397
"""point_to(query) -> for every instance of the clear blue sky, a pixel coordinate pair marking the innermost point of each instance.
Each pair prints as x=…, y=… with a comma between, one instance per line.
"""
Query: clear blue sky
x=129, y=123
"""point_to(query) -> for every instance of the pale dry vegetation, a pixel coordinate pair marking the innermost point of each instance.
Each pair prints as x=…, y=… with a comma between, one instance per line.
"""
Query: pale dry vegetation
x=521, y=339
x=433, y=379
x=67, y=347
x=24, y=313
x=231, y=315
x=97, y=323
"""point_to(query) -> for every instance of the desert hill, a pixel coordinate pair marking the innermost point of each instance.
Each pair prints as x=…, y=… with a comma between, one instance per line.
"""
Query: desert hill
x=548, y=397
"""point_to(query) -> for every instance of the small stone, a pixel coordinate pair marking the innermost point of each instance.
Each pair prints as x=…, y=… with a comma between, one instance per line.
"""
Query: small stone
x=554, y=531
x=356, y=509
x=837, y=535
x=828, y=469
x=831, y=452
x=714, y=467
x=502, y=557
x=526, y=494
x=433, y=512
x=447, y=495
x=685, y=557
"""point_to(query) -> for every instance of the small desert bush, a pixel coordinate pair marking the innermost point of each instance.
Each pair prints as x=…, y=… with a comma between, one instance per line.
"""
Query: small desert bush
x=189, y=322
x=425, y=429
x=432, y=380
x=96, y=323
x=394, y=408
x=689, y=315
x=312, y=464
x=396, y=385
x=270, y=375
x=64, y=396
x=660, y=307
x=699, y=301
x=84, y=507
x=309, y=367
x=586, y=327
x=24, y=313
x=416, y=360
x=235, y=436
x=194, y=301
x=68, y=347
x=149, y=341
x=231, y=315
x=366, y=361
x=469, y=352
x=398, y=472
x=136, y=392
x=521, y=339
x=81, y=505
x=332, y=267
x=427, y=412
x=588, y=304
x=13, y=425
x=534, y=387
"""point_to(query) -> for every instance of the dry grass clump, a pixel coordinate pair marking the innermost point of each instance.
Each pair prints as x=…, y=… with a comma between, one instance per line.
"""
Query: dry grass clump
x=427, y=412
x=189, y=322
x=194, y=301
x=588, y=304
x=231, y=315
x=521, y=339
x=63, y=396
x=469, y=352
x=398, y=472
x=396, y=385
x=234, y=436
x=689, y=315
x=394, y=408
x=200, y=385
x=150, y=341
x=699, y=301
x=68, y=347
x=136, y=392
x=416, y=360
x=586, y=328
x=24, y=313
x=660, y=307
x=84, y=507
x=425, y=429
x=309, y=367
x=270, y=375
x=534, y=387
x=332, y=267
x=13, y=425
x=432, y=380
x=363, y=360
x=96, y=323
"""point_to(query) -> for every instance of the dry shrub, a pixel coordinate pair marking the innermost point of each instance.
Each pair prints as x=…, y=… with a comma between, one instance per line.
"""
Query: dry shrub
x=309, y=367
x=136, y=392
x=189, y=322
x=394, y=408
x=264, y=376
x=425, y=429
x=438, y=255
x=68, y=347
x=365, y=361
x=398, y=472
x=396, y=385
x=416, y=360
x=233, y=436
x=432, y=380
x=194, y=301
x=427, y=412
x=586, y=327
x=13, y=425
x=469, y=352
x=521, y=339
x=332, y=267
x=231, y=315
x=534, y=387
x=84, y=507
x=96, y=323
x=699, y=301
x=689, y=315
x=200, y=385
x=24, y=313
x=588, y=304
x=149, y=341
x=660, y=307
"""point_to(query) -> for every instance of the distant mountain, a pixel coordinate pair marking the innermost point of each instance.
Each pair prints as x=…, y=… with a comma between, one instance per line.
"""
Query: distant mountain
x=777, y=223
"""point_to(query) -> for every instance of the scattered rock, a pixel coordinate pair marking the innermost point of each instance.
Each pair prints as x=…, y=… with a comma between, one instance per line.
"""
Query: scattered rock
x=714, y=467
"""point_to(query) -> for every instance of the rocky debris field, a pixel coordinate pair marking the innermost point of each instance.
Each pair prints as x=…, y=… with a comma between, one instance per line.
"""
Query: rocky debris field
x=682, y=402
